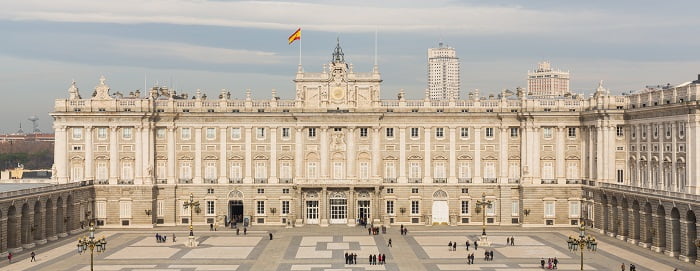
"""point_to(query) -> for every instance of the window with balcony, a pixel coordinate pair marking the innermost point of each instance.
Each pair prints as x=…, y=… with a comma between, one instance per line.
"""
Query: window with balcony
x=312, y=170
x=364, y=170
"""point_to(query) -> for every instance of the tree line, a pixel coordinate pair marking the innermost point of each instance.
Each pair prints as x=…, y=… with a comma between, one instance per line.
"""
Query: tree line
x=31, y=154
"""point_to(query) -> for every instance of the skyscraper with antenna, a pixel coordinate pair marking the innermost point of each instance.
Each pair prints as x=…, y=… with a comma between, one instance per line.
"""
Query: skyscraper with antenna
x=443, y=73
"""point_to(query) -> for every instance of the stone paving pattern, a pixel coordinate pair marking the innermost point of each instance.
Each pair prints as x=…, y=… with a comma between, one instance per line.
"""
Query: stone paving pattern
x=313, y=248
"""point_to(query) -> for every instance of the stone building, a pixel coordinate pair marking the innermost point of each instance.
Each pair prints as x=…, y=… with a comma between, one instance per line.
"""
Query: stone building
x=337, y=153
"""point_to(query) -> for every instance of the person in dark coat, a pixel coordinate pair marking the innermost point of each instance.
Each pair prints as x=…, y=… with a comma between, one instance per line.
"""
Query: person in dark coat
x=370, y=259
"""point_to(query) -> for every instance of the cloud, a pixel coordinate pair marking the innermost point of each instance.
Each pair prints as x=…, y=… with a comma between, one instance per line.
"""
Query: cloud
x=354, y=16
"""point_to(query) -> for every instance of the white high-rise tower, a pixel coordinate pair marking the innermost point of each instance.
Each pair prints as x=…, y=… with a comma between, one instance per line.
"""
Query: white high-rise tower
x=443, y=73
x=545, y=81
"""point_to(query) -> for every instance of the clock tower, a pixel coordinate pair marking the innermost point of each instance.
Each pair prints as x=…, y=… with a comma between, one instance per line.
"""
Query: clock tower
x=338, y=87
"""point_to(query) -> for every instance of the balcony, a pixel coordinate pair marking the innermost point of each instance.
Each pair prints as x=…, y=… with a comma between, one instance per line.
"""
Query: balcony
x=184, y=181
x=573, y=181
x=513, y=180
x=415, y=180
x=161, y=181
x=389, y=180
x=464, y=180
x=549, y=181
x=439, y=180
x=125, y=182
x=102, y=181
x=210, y=181
x=286, y=180
x=591, y=182
x=260, y=180
x=235, y=180
x=490, y=180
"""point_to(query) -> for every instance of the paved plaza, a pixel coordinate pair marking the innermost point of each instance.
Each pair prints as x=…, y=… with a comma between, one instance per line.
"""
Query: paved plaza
x=312, y=248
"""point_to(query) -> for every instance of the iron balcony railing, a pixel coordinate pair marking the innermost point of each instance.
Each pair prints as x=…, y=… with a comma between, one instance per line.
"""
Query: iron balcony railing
x=549, y=181
x=389, y=180
x=415, y=180
x=490, y=180
x=464, y=180
x=439, y=180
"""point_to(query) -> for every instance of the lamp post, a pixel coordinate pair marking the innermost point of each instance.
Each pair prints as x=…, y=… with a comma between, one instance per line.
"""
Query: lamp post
x=191, y=204
x=89, y=242
x=483, y=204
x=583, y=241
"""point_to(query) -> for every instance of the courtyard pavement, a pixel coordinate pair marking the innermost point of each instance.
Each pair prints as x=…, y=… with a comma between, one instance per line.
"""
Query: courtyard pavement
x=312, y=248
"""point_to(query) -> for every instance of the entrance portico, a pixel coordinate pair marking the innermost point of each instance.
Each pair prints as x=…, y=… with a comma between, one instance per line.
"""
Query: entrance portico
x=338, y=205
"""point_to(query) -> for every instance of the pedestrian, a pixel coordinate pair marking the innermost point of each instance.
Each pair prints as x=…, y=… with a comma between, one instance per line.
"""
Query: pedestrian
x=215, y=226
x=622, y=267
x=507, y=240
x=173, y=237
x=238, y=230
x=370, y=259
x=389, y=243
x=454, y=246
x=354, y=258
x=476, y=245
x=383, y=258
x=245, y=231
x=33, y=257
x=542, y=262
x=555, y=262
x=467, y=245
x=211, y=226
x=369, y=231
x=449, y=246
x=633, y=267
x=270, y=236
x=512, y=241
x=379, y=258
x=346, y=258
x=9, y=257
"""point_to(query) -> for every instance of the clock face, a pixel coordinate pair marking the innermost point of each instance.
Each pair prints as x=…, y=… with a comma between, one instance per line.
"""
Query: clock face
x=338, y=93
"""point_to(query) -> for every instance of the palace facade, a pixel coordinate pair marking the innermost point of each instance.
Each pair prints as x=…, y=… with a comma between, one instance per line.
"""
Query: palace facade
x=337, y=153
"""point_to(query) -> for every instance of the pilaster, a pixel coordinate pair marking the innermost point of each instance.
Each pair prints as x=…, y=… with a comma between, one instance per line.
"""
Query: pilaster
x=273, y=155
x=197, y=156
x=223, y=156
x=113, y=155
x=427, y=159
x=89, y=175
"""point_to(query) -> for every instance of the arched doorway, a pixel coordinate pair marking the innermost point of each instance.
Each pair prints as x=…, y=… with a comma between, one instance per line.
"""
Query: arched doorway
x=12, y=227
x=661, y=226
x=648, y=224
x=49, y=219
x=338, y=204
x=235, y=207
x=38, y=222
x=24, y=225
x=441, y=211
x=692, y=235
x=311, y=212
x=675, y=231
x=59, y=216
x=637, y=221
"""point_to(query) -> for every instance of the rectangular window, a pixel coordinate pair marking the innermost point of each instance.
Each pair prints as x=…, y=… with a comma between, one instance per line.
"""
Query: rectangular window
x=414, y=190
x=285, y=207
x=338, y=170
x=547, y=132
x=260, y=170
x=549, y=209
x=210, y=207
x=125, y=209
x=261, y=190
x=185, y=133
x=439, y=170
x=236, y=170
x=101, y=133
x=547, y=170
x=389, y=170
x=415, y=207
x=620, y=175
x=465, y=207
x=161, y=170
x=574, y=209
x=101, y=211
x=572, y=170
x=491, y=209
x=414, y=132
x=127, y=171
x=186, y=170
x=160, y=133
x=312, y=132
x=464, y=132
x=312, y=170
x=513, y=132
x=285, y=170
x=210, y=171
x=184, y=211
x=260, y=207
x=489, y=170
x=620, y=131
x=285, y=190
x=515, y=209
x=77, y=133
x=572, y=132
x=415, y=170
x=389, y=132
x=390, y=207
x=464, y=170
x=439, y=132
x=489, y=132
x=363, y=132
x=101, y=171
x=211, y=133
x=260, y=132
x=235, y=133
x=364, y=170
x=126, y=133
x=285, y=133
x=390, y=191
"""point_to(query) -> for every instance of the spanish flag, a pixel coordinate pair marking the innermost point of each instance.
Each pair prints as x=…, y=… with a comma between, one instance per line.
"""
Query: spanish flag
x=295, y=36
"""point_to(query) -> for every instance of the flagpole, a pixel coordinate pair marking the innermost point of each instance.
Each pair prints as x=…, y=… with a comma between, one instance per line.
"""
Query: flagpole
x=300, y=53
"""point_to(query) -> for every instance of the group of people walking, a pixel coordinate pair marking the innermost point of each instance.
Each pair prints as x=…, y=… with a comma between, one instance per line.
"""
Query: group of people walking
x=350, y=258
x=510, y=241
x=375, y=259
x=550, y=264
x=162, y=238
x=488, y=255
x=404, y=230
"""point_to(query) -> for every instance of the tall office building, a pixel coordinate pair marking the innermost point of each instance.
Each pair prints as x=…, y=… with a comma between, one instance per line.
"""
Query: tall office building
x=544, y=81
x=443, y=73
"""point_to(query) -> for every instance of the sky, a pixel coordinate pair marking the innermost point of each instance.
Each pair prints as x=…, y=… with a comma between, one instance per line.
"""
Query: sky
x=239, y=45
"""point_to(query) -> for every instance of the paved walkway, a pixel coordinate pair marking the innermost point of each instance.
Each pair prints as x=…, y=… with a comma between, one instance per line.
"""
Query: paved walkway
x=313, y=248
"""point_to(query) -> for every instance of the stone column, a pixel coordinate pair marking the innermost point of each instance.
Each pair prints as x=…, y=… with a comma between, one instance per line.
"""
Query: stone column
x=223, y=156
x=592, y=165
x=452, y=177
x=273, y=155
x=351, y=206
x=402, y=156
x=197, y=155
x=584, y=147
x=524, y=154
x=638, y=174
x=324, y=153
x=427, y=159
x=171, y=156
x=377, y=206
x=560, y=155
x=138, y=156
x=113, y=155
x=503, y=159
x=674, y=151
x=650, y=178
x=60, y=153
x=322, y=208
x=351, y=154
x=662, y=170
x=693, y=137
x=298, y=155
x=375, y=152
x=89, y=175
x=600, y=144
x=535, y=149
x=476, y=176
x=248, y=178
